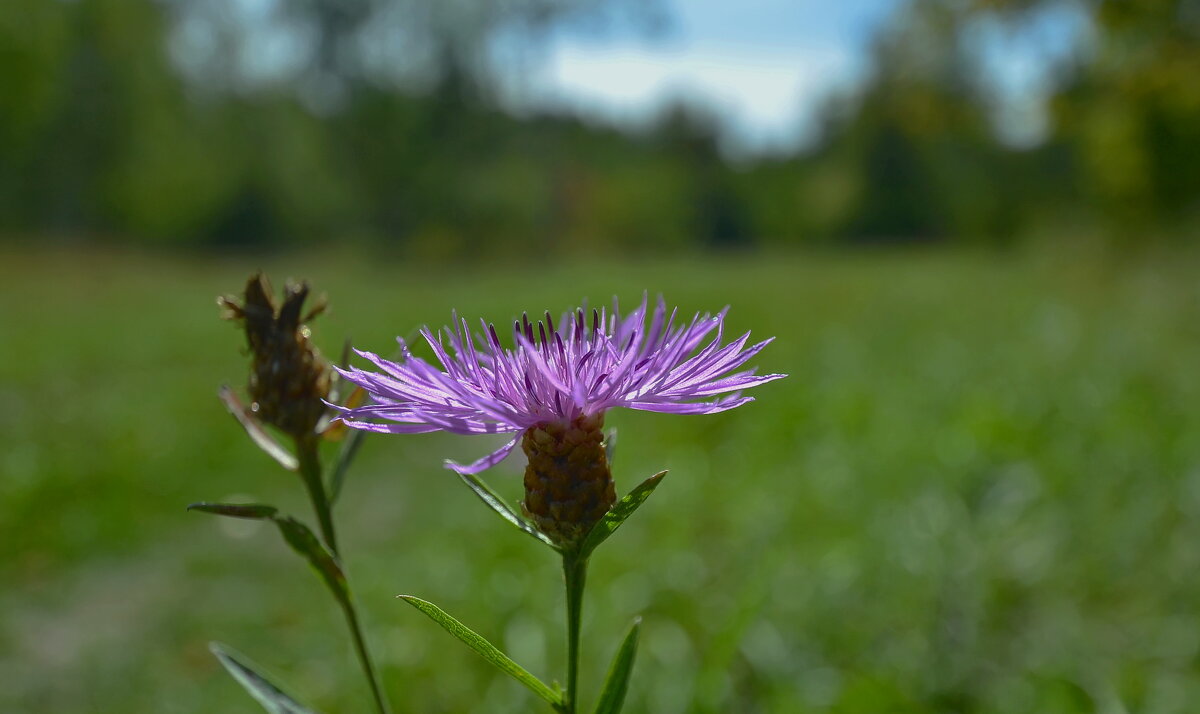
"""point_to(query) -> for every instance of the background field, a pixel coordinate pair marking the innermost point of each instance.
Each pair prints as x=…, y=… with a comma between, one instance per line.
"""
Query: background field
x=979, y=491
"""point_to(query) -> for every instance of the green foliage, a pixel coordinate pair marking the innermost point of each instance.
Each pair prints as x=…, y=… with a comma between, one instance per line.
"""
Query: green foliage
x=612, y=697
x=1133, y=114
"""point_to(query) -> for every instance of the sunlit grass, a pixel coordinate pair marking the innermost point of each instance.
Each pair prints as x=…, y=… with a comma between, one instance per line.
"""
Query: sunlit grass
x=978, y=491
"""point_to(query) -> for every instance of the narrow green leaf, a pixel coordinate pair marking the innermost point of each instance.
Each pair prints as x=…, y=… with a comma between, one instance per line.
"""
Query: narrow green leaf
x=271, y=697
x=344, y=458
x=612, y=698
x=254, y=428
x=306, y=544
x=485, y=649
x=296, y=534
x=501, y=507
x=255, y=511
x=618, y=513
x=339, y=384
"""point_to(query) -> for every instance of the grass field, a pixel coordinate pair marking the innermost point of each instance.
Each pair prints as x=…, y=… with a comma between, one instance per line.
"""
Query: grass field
x=978, y=491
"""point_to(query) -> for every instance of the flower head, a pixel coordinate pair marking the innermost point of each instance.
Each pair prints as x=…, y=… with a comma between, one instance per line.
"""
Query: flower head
x=556, y=373
x=289, y=379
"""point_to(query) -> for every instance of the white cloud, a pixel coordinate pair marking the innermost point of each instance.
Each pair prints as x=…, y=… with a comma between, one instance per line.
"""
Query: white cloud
x=765, y=97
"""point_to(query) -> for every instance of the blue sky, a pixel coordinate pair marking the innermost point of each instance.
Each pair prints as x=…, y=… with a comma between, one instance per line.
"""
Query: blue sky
x=765, y=65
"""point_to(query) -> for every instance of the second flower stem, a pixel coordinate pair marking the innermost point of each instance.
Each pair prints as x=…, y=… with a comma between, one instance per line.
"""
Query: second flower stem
x=575, y=575
x=312, y=474
x=364, y=657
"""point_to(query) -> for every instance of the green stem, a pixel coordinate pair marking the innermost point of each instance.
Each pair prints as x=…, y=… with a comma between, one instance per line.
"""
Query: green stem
x=364, y=656
x=310, y=472
x=575, y=574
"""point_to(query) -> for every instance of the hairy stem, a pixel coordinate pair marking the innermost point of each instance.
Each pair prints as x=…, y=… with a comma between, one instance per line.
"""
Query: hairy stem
x=575, y=574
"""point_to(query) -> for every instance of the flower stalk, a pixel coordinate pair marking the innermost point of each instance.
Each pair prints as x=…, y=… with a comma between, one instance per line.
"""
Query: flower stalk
x=551, y=389
x=575, y=577
x=314, y=483
x=364, y=656
x=289, y=385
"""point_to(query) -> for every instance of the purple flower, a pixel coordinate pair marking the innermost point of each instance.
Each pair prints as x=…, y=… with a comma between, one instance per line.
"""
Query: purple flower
x=584, y=366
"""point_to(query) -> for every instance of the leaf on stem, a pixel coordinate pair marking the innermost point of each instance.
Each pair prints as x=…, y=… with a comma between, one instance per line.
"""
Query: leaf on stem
x=271, y=697
x=616, y=515
x=305, y=543
x=612, y=698
x=501, y=507
x=297, y=535
x=486, y=650
x=344, y=458
x=338, y=383
x=254, y=428
x=254, y=511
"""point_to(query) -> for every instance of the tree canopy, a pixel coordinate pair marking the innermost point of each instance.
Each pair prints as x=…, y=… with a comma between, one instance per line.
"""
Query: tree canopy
x=213, y=123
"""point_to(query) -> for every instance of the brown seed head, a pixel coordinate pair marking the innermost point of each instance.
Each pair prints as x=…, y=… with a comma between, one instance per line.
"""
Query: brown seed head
x=288, y=376
x=568, y=485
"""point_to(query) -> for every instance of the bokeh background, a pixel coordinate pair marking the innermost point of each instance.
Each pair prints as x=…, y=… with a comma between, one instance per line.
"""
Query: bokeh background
x=971, y=225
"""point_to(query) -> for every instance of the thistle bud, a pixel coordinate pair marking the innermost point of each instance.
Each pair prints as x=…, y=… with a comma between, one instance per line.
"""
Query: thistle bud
x=568, y=485
x=288, y=377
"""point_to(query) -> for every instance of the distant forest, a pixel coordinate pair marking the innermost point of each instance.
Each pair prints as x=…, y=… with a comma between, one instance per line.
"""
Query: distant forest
x=213, y=123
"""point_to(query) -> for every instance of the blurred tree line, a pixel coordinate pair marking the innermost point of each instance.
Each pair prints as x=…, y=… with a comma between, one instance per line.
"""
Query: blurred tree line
x=260, y=123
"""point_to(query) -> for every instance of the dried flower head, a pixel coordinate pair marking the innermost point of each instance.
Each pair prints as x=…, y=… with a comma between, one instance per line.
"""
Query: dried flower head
x=289, y=380
x=553, y=387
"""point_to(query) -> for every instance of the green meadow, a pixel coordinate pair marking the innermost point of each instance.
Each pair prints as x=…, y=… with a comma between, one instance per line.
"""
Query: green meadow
x=977, y=491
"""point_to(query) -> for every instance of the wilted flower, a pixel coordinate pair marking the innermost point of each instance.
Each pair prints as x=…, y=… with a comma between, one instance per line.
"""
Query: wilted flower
x=553, y=387
x=289, y=379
